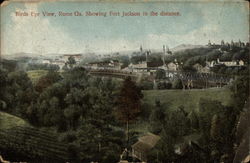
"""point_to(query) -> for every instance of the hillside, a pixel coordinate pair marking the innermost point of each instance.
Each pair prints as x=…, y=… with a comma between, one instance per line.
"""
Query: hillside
x=187, y=98
x=183, y=47
x=20, y=141
x=8, y=121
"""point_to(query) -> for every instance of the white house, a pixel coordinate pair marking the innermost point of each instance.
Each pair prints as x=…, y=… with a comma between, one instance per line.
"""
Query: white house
x=172, y=66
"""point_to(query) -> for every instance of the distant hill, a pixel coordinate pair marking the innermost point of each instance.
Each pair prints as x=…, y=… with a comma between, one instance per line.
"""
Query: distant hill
x=183, y=47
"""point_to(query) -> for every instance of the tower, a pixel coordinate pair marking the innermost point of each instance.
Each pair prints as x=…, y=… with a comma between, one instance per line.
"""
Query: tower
x=231, y=45
x=232, y=42
x=240, y=43
x=222, y=43
x=163, y=56
x=147, y=53
x=169, y=52
x=209, y=43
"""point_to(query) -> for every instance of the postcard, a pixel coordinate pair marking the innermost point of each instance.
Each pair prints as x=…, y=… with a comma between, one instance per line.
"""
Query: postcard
x=125, y=81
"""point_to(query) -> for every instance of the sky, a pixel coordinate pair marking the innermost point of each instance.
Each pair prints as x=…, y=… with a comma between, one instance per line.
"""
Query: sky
x=198, y=22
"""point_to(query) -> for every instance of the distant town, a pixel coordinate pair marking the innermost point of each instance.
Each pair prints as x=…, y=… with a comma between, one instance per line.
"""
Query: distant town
x=180, y=62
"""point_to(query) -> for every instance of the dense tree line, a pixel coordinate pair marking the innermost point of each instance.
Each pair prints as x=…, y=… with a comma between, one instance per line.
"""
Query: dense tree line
x=42, y=66
x=79, y=107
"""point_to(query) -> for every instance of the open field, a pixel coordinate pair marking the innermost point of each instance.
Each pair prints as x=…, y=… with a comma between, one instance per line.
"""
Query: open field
x=189, y=99
x=34, y=75
x=8, y=121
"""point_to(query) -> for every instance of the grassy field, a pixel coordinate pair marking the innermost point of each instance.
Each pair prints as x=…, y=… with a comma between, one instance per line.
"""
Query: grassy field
x=34, y=75
x=8, y=121
x=187, y=98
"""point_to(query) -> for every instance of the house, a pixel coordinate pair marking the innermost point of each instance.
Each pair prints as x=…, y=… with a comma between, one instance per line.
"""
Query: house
x=210, y=64
x=231, y=63
x=111, y=64
x=115, y=64
x=241, y=63
x=46, y=61
x=144, y=145
x=77, y=57
x=199, y=68
x=59, y=63
x=139, y=67
x=226, y=63
x=172, y=66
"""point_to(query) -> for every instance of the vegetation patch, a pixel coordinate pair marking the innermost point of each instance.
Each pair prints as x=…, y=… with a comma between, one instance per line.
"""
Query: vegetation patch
x=34, y=75
x=8, y=121
x=187, y=98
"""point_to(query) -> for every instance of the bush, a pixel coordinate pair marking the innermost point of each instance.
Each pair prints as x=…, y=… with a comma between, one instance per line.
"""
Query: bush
x=168, y=85
x=160, y=74
x=177, y=84
x=146, y=85
x=164, y=85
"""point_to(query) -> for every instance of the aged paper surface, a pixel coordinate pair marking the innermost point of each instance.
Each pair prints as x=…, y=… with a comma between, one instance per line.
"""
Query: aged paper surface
x=124, y=81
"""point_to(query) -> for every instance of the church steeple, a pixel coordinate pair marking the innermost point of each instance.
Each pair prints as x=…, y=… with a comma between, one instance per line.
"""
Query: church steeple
x=209, y=43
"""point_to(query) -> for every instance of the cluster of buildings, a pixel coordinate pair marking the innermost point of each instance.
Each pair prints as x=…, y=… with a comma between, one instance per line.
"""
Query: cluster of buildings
x=150, y=67
x=108, y=64
x=229, y=45
x=140, y=149
x=147, y=66
x=62, y=60
x=226, y=63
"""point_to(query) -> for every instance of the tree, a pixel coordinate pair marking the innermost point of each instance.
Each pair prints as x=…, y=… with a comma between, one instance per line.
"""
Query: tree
x=160, y=74
x=157, y=118
x=177, y=84
x=47, y=80
x=3, y=91
x=215, y=128
x=193, y=120
x=71, y=61
x=129, y=103
x=72, y=114
x=240, y=91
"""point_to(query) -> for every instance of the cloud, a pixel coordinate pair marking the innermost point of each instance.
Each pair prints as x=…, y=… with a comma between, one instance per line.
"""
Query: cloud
x=199, y=36
x=39, y=35
x=35, y=35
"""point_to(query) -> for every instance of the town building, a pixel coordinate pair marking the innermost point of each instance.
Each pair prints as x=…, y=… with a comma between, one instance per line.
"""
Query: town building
x=172, y=66
x=199, y=68
x=144, y=145
x=111, y=64
x=59, y=63
x=231, y=63
x=46, y=61
x=77, y=57
x=226, y=63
